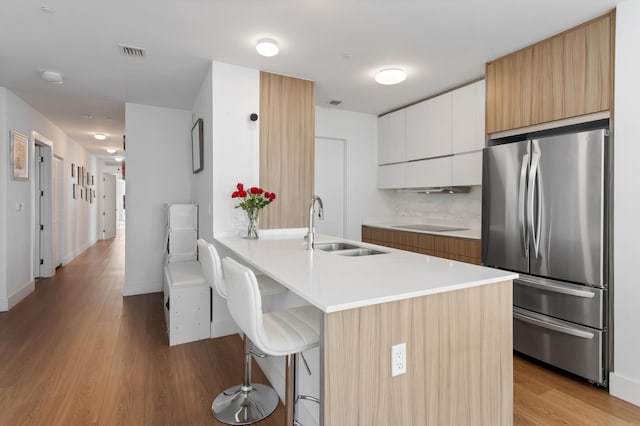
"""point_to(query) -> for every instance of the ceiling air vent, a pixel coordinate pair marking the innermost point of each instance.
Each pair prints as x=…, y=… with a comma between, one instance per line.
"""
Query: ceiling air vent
x=131, y=51
x=334, y=102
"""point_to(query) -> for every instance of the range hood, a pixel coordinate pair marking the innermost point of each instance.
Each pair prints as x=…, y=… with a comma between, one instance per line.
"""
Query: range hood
x=439, y=190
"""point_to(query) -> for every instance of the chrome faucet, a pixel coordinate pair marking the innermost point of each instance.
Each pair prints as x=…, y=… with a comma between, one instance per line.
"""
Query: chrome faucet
x=312, y=222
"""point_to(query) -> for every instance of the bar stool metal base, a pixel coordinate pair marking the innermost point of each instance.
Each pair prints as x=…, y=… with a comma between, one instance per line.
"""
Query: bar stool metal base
x=237, y=407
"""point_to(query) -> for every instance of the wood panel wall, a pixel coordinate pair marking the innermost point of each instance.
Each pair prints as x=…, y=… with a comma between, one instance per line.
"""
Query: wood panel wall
x=459, y=361
x=287, y=135
x=567, y=75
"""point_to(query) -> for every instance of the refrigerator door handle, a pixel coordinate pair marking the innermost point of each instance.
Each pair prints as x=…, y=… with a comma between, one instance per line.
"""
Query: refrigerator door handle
x=522, y=204
x=585, y=294
x=532, y=191
x=555, y=327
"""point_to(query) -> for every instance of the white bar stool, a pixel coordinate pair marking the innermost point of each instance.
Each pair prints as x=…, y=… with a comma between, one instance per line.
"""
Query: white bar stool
x=280, y=333
x=249, y=402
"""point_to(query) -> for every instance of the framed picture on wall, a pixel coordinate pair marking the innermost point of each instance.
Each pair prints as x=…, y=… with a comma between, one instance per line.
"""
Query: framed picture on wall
x=75, y=191
x=73, y=170
x=92, y=181
x=197, y=159
x=19, y=156
x=79, y=174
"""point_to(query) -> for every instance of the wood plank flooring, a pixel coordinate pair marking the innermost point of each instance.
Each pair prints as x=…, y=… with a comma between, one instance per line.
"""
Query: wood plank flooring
x=75, y=352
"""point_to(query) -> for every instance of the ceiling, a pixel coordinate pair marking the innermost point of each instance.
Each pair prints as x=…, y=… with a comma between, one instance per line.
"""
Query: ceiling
x=339, y=44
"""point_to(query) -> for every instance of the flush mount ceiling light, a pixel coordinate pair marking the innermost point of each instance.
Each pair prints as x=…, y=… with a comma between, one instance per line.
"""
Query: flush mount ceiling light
x=111, y=150
x=267, y=47
x=391, y=76
x=52, y=77
x=118, y=159
x=99, y=136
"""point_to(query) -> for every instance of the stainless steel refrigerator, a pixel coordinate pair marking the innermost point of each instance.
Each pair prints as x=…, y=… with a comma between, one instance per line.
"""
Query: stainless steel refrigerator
x=546, y=215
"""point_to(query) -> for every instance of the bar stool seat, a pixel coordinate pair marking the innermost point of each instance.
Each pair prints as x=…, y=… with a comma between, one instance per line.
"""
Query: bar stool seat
x=248, y=402
x=280, y=333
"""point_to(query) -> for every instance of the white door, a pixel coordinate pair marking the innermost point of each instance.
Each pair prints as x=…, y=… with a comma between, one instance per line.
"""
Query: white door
x=329, y=181
x=43, y=206
x=58, y=215
x=108, y=206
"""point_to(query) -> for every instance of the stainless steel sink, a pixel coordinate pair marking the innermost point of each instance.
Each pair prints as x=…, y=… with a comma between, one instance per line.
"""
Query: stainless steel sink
x=335, y=246
x=346, y=249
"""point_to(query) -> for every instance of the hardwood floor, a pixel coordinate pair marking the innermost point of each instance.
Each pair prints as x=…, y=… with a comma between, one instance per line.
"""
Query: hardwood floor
x=75, y=352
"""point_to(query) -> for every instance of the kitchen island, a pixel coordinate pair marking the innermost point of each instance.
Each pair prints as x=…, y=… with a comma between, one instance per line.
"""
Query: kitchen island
x=455, y=318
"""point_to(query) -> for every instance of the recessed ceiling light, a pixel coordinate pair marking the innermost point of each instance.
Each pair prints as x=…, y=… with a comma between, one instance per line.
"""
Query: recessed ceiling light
x=117, y=158
x=111, y=150
x=89, y=116
x=99, y=136
x=391, y=76
x=267, y=47
x=52, y=77
x=48, y=10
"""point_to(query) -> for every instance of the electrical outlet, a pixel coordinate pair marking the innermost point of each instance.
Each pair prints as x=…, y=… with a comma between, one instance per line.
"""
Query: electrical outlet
x=398, y=359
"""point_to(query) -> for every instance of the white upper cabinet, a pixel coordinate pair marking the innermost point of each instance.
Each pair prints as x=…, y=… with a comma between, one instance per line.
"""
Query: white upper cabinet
x=391, y=137
x=429, y=128
x=468, y=117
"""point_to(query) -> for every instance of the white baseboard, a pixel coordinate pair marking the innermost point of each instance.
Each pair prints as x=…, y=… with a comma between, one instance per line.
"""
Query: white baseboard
x=77, y=252
x=141, y=288
x=17, y=296
x=624, y=388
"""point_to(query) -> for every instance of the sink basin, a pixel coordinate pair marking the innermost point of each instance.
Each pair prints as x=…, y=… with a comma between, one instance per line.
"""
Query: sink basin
x=335, y=246
x=347, y=249
x=358, y=252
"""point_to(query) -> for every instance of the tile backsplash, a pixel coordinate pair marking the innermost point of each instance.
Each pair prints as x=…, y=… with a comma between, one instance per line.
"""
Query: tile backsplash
x=457, y=208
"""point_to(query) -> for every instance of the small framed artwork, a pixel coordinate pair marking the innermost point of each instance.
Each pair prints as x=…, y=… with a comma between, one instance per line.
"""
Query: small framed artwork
x=73, y=170
x=88, y=179
x=19, y=156
x=92, y=184
x=197, y=159
x=82, y=177
x=78, y=174
x=91, y=196
x=75, y=191
x=86, y=194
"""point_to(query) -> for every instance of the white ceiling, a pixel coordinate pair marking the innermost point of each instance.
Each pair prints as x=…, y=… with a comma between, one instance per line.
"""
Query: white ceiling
x=339, y=44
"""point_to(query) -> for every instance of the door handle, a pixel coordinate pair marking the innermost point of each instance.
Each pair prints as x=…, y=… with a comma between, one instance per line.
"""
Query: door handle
x=554, y=327
x=522, y=203
x=534, y=180
x=556, y=289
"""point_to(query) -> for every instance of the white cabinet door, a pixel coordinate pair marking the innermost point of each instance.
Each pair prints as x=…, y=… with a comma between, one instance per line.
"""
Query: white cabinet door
x=391, y=137
x=468, y=117
x=467, y=169
x=438, y=125
x=391, y=176
x=429, y=173
x=417, y=131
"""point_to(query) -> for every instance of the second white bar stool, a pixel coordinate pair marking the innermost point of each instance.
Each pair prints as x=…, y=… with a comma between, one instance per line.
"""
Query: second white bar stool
x=280, y=333
x=248, y=402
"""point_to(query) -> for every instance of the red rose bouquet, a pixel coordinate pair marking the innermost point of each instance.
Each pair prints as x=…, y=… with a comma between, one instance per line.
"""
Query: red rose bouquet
x=252, y=201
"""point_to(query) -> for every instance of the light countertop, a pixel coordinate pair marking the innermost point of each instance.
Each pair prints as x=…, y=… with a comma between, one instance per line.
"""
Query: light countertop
x=472, y=231
x=334, y=283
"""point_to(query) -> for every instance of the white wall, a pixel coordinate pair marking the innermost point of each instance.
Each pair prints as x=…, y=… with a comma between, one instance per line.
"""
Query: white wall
x=201, y=182
x=16, y=225
x=625, y=379
x=158, y=171
x=236, y=141
x=4, y=177
x=360, y=131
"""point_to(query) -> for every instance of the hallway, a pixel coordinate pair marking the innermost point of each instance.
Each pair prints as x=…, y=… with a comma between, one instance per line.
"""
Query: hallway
x=75, y=352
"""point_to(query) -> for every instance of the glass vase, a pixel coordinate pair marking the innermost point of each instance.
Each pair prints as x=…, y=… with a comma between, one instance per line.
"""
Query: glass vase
x=252, y=227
